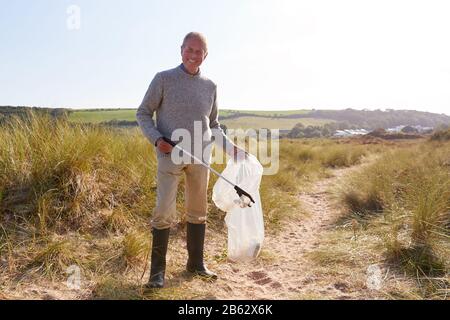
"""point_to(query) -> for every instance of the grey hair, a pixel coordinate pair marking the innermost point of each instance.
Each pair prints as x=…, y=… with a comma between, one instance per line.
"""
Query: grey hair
x=197, y=35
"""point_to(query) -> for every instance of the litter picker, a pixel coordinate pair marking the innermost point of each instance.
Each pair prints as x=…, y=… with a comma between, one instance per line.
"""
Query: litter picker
x=241, y=193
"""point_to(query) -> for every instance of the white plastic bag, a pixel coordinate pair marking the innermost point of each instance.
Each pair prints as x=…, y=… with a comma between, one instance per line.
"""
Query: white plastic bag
x=245, y=225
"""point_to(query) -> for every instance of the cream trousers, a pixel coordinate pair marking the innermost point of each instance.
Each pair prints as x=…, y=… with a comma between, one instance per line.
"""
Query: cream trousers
x=196, y=187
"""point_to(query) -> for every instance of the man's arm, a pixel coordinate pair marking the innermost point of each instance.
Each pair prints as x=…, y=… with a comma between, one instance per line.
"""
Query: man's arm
x=149, y=105
x=228, y=146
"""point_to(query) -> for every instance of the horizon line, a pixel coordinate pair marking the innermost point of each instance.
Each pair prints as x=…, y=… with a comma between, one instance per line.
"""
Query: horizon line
x=230, y=109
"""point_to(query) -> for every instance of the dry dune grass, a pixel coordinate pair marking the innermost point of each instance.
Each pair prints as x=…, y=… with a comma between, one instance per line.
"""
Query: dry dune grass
x=397, y=214
x=72, y=194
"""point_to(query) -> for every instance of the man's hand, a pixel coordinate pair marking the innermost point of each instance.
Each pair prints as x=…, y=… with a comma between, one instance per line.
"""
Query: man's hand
x=163, y=146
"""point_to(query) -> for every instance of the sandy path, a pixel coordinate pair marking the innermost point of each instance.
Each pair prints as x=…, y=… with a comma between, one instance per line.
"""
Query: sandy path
x=284, y=272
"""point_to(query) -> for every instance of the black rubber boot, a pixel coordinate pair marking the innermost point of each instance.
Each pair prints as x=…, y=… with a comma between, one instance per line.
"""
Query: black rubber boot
x=158, y=262
x=195, y=246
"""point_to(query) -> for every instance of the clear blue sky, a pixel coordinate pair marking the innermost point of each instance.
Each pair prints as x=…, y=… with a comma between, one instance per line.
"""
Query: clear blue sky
x=264, y=54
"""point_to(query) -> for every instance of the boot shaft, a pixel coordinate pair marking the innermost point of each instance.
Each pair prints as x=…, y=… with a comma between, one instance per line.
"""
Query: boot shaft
x=160, y=238
x=159, y=250
x=195, y=240
x=195, y=245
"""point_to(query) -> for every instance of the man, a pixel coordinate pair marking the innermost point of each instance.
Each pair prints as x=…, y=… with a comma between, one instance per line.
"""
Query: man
x=182, y=98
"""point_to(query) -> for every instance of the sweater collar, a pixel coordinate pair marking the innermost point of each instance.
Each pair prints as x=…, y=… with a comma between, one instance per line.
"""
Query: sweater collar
x=183, y=69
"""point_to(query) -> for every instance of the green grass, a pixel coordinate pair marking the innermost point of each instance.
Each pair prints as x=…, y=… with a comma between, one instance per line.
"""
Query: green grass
x=271, y=123
x=97, y=116
x=270, y=113
x=247, y=122
x=84, y=116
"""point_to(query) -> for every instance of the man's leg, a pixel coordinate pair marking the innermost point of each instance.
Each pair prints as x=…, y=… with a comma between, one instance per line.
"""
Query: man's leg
x=163, y=216
x=197, y=178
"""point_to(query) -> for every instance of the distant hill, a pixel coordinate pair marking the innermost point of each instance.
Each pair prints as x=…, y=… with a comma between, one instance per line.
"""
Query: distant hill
x=381, y=119
x=6, y=112
x=348, y=118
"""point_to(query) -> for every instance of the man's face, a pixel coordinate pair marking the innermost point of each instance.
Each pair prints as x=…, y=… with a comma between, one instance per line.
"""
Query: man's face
x=193, y=54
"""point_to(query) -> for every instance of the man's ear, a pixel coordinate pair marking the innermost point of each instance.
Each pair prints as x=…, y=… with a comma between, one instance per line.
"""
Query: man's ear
x=206, y=54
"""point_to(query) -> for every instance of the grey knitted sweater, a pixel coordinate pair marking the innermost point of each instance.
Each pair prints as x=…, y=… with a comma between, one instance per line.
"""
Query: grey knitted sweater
x=179, y=99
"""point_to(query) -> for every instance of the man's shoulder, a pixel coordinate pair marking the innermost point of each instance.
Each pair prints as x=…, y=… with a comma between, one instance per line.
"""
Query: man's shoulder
x=207, y=80
x=168, y=73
